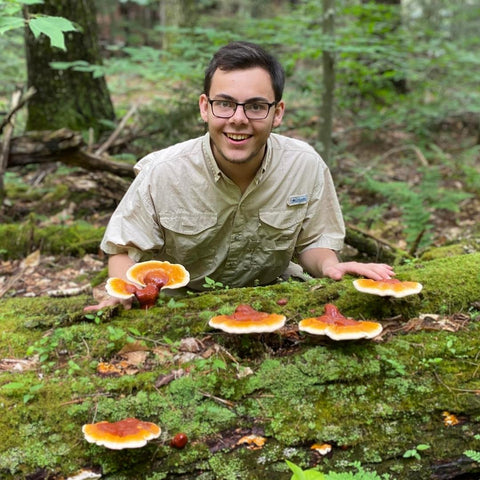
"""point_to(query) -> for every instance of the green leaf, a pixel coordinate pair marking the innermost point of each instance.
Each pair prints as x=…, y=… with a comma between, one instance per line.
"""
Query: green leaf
x=10, y=23
x=423, y=446
x=12, y=386
x=53, y=28
x=298, y=473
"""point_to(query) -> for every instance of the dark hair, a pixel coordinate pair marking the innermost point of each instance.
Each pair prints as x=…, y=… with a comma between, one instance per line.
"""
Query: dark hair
x=244, y=55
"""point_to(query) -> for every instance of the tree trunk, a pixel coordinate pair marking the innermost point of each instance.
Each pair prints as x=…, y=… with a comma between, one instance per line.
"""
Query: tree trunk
x=66, y=98
x=328, y=57
x=174, y=13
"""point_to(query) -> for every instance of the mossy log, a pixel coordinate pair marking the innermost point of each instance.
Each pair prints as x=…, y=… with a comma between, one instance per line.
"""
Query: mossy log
x=374, y=402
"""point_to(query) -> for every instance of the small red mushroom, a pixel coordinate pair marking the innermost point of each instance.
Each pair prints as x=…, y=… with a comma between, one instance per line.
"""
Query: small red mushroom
x=179, y=440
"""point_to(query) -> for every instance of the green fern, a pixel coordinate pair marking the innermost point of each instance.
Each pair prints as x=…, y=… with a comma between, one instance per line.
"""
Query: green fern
x=311, y=474
x=473, y=454
x=418, y=203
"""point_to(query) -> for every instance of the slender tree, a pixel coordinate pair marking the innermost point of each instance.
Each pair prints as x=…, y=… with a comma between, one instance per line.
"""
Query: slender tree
x=328, y=59
x=68, y=97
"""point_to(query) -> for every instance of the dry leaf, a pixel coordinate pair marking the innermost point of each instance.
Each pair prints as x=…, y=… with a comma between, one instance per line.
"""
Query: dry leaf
x=254, y=442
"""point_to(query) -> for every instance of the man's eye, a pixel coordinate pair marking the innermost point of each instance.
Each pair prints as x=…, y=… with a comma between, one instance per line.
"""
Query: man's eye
x=225, y=104
x=256, y=107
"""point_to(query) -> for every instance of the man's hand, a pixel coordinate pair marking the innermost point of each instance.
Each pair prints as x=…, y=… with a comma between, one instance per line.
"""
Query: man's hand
x=110, y=302
x=117, y=267
x=375, y=271
x=324, y=262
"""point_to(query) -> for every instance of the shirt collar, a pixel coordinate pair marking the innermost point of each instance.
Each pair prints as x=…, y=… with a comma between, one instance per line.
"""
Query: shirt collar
x=267, y=160
x=210, y=159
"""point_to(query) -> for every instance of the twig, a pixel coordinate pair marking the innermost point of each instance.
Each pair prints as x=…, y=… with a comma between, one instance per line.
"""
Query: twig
x=14, y=108
x=70, y=292
x=217, y=399
x=103, y=148
x=17, y=95
x=373, y=237
x=464, y=390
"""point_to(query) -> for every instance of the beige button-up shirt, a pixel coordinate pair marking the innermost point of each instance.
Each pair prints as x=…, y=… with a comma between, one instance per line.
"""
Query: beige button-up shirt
x=181, y=208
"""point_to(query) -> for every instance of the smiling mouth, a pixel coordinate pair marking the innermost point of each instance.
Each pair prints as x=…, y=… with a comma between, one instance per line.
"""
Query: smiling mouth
x=237, y=137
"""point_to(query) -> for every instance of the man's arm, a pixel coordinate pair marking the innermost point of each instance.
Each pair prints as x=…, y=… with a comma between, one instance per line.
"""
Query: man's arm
x=117, y=267
x=323, y=262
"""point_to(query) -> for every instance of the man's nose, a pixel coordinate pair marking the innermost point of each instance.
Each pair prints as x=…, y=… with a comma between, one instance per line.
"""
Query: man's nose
x=239, y=115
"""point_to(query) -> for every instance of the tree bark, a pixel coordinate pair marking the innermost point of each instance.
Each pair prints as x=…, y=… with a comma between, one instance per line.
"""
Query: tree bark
x=66, y=98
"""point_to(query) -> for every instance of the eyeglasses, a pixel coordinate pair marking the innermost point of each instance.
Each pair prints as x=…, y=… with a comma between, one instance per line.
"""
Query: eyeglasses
x=252, y=110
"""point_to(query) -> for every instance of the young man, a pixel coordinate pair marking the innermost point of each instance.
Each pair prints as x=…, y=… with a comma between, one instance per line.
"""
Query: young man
x=238, y=203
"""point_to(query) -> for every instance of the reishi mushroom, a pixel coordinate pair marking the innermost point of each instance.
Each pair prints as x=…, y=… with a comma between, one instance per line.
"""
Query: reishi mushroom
x=246, y=319
x=127, y=433
x=338, y=327
x=392, y=287
x=146, y=279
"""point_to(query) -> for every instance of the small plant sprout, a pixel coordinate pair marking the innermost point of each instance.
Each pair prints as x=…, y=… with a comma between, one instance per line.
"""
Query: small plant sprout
x=96, y=317
x=414, y=452
x=211, y=284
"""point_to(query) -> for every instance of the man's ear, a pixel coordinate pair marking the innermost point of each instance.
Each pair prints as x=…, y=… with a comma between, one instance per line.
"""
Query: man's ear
x=203, y=105
x=278, y=115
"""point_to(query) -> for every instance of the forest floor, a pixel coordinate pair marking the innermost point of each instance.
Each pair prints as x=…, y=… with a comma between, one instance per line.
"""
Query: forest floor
x=52, y=275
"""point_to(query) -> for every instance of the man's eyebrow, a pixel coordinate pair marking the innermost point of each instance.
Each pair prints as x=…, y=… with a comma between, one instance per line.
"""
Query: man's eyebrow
x=250, y=100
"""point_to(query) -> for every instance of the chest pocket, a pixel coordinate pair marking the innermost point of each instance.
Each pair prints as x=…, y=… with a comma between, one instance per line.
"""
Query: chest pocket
x=188, y=236
x=279, y=229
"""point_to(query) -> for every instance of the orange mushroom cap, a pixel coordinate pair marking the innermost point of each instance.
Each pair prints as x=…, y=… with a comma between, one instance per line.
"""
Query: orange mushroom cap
x=127, y=433
x=337, y=327
x=392, y=287
x=117, y=287
x=248, y=320
x=174, y=275
x=147, y=279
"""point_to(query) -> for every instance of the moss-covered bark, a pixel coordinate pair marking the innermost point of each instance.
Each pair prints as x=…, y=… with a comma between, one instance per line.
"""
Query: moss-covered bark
x=372, y=401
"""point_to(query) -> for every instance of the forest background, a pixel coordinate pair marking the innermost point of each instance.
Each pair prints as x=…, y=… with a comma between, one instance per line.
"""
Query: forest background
x=387, y=91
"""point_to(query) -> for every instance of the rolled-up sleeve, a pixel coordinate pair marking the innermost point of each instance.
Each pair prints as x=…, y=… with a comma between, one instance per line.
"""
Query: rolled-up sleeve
x=133, y=227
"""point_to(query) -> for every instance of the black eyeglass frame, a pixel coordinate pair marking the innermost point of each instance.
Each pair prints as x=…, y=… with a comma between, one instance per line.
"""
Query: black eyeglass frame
x=237, y=104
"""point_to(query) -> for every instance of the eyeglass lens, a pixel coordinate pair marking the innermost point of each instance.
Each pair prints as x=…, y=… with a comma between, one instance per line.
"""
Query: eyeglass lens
x=226, y=109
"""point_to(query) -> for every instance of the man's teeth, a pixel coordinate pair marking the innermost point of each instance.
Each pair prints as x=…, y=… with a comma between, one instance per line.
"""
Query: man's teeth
x=237, y=137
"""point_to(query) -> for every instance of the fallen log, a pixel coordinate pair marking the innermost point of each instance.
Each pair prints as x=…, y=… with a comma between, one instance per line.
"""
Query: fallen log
x=64, y=146
x=406, y=405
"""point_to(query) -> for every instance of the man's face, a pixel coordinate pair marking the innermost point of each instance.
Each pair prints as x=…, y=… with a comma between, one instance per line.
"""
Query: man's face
x=238, y=140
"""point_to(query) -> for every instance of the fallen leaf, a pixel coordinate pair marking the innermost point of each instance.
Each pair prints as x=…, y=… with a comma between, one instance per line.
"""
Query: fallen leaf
x=254, y=442
x=321, y=448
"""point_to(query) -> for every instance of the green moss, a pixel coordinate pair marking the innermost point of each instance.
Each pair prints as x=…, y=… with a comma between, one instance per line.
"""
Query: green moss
x=18, y=240
x=371, y=400
x=442, y=252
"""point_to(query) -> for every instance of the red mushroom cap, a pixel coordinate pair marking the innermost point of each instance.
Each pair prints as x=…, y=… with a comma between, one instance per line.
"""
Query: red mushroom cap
x=392, y=287
x=337, y=327
x=127, y=433
x=248, y=320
